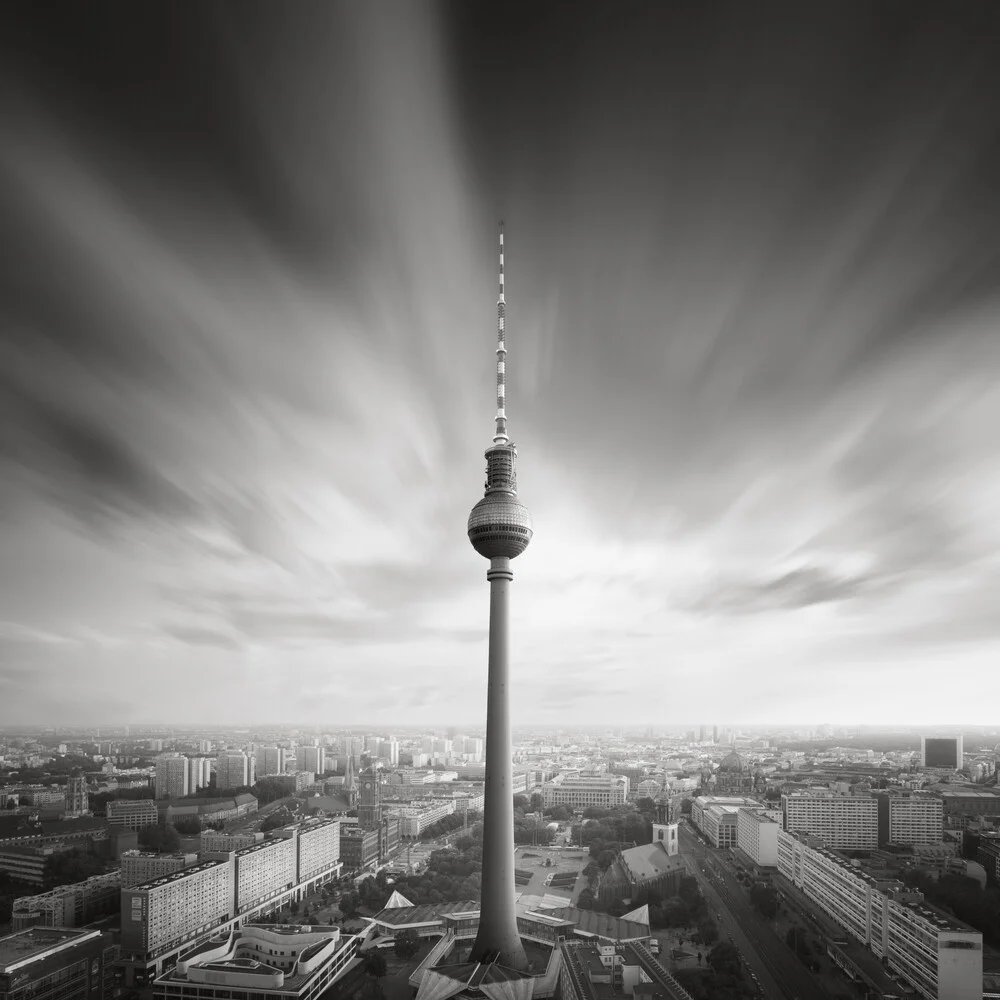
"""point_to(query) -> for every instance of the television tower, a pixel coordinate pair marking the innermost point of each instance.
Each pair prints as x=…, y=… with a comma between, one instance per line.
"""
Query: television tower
x=499, y=529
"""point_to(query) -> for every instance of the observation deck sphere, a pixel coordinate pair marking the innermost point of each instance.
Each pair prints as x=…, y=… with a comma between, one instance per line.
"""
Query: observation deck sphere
x=500, y=525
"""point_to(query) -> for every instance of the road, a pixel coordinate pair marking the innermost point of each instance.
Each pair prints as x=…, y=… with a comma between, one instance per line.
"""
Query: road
x=781, y=973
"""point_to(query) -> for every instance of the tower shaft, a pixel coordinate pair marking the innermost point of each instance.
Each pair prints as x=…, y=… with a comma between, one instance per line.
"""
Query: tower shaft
x=498, y=939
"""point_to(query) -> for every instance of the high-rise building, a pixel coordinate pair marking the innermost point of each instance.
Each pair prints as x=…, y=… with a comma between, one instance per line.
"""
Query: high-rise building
x=232, y=770
x=172, y=776
x=941, y=751
x=499, y=529
x=270, y=760
x=715, y=734
x=844, y=822
x=909, y=818
x=156, y=746
x=312, y=759
x=198, y=773
x=139, y=867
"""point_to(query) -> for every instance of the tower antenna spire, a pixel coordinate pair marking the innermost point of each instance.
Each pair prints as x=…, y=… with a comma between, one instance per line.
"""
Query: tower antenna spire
x=500, y=437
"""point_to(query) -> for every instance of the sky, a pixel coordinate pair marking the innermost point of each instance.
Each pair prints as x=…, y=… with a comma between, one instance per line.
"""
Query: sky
x=247, y=320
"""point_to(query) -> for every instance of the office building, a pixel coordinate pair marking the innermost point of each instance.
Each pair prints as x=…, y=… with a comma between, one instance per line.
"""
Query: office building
x=757, y=836
x=844, y=822
x=941, y=751
x=358, y=848
x=69, y=905
x=716, y=817
x=77, y=800
x=607, y=791
x=909, y=818
x=988, y=854
x=233, y=770
x=939, y=957
x=312, y=759
x=274, y=962
x=139, y=867
x=26, y=862
x=318, y=848
x=172, y=777
x=414, y=819
x=270, y=760
x=57, y=964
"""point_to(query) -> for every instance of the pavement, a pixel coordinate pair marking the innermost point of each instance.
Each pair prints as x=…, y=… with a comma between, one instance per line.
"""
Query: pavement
x=562, y=861
x=780, y=972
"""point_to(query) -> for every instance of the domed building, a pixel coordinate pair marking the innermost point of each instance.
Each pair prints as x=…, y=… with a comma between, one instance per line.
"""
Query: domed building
x=734, y=777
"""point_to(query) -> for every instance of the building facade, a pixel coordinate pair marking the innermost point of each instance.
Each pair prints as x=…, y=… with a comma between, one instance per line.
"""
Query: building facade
x=909, y=818
x=757, y=836
x=606, y=791
x=233, y=770
x=172, y=777
x=69, y=905
x=844, y=822
x=940, y=957
x=139, y=867
x=57, y=964
x=312, y=759
x=942, y=751
x=358, y=848
x=265, y=870
x=132, y=814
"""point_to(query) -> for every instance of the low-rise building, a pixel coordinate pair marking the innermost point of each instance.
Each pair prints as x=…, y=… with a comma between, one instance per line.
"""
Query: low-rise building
x=133, y=814
x=414, y=819
x=57, y=964
x=275, y=963
x=69, y=905
x=358, y=848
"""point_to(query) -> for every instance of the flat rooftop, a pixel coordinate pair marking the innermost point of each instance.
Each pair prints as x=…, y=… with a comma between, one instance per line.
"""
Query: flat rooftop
x=16, y=948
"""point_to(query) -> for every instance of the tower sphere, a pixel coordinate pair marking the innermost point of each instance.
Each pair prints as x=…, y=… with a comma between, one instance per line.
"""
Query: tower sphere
x=500, y=525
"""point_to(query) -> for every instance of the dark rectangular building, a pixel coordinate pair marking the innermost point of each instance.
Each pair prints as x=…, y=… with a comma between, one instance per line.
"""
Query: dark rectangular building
x=57, y=964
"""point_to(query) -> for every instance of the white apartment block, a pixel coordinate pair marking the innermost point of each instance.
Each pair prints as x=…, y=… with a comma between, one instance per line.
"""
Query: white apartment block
x=319, y=847
x=757, y=836
x=606, y=791
x=413, y=820
x=171, y=776
x=910, y=818
x=178, y=907
x=940, y=957
x=199, y=773
x=139, y=868
x=132, y=814
x=212, y=842
x=265, y=870
x=844, y=822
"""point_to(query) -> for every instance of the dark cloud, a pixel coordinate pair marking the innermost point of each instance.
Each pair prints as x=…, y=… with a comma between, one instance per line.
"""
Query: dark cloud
x=800, y=588
x=196, y=635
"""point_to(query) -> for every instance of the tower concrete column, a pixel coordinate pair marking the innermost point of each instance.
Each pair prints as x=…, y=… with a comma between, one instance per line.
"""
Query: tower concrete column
x=498, y=939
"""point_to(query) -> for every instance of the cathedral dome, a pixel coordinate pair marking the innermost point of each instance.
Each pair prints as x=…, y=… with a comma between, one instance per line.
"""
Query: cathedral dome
x=733, y=763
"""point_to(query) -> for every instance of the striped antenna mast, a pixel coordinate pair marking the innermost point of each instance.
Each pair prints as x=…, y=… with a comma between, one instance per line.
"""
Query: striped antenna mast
x=500, y=437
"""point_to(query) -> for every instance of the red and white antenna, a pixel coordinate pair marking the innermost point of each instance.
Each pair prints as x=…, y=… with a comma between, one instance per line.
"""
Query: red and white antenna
x=500, y=437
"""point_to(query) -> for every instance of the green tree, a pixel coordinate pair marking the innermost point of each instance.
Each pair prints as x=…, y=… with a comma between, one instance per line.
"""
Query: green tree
x=188, y=826
x=708, y=933
x=406, y=943
x=161, y=838
x=375, y=964
x=725, y=958
x=764, y=899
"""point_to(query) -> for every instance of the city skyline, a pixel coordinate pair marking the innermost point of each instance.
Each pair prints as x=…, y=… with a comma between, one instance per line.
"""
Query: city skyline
x=243, y=382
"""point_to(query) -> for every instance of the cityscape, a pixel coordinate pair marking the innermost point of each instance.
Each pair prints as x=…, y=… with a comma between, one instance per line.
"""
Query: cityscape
x=717, y=721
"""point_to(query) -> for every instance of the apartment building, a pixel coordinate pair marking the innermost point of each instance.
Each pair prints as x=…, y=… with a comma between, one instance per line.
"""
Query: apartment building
x=139, y=867
x=757, y=836
x=172, y=776
x=909, y=818
x=606, y=791
x=265, y=871
x=844, y=822
x=178, y=907
x=132, y=814
x=212, y=842
x=234, y=769
x=940, y=957
x=319, y=847
x=270, y=761
x=69, y=905
x=311, y=759
x=199, y=773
